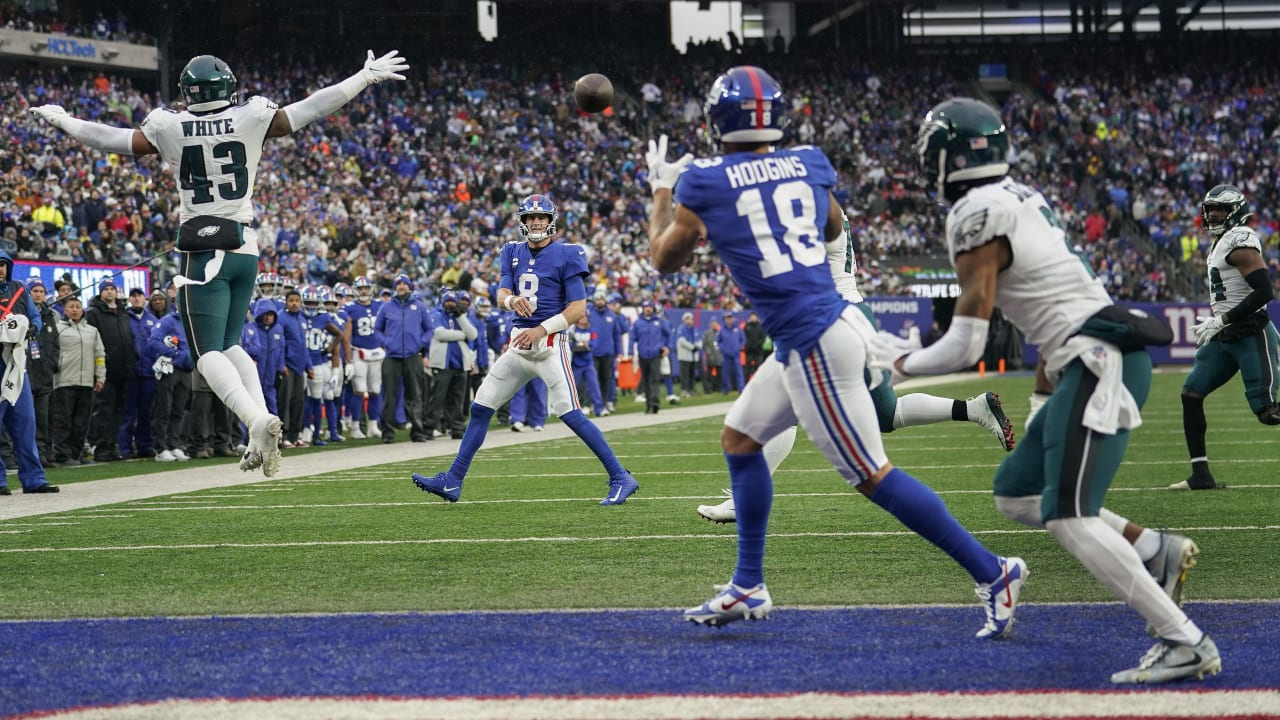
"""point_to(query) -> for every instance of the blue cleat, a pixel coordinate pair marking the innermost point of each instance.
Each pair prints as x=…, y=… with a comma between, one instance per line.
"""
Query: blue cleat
x=1000, y=598
x=620, y=489
x=318, y=441
x=442, y=484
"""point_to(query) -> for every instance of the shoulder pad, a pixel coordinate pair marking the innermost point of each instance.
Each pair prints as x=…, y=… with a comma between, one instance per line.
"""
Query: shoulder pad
x=1242, y=237
x=975, y=221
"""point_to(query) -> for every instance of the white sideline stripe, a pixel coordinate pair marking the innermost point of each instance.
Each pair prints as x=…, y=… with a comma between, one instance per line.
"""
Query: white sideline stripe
x=92, y=514
x=563, y=539
x=939, y=705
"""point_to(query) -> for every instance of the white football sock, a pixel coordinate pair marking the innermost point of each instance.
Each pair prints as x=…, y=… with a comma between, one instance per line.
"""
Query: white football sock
x=225, y=382
x=921, y=409
x=248, y=371
x=1113, y=561
x=777, y=449
x=1147, y=544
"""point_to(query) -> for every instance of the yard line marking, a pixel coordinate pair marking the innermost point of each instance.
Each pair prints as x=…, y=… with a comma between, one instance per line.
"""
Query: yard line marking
x=561, y=540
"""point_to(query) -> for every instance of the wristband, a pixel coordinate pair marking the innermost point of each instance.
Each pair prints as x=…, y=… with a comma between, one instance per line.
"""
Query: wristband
x=506, y=304
x=554, y=324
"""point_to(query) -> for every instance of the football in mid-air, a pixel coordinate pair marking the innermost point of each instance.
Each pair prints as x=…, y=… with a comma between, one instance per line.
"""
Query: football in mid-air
x=593, y=92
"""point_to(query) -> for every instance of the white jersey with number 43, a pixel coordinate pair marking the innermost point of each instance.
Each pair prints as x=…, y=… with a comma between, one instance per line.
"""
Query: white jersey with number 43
x=1227, y=287
x=1048, y=291
x=215, y=155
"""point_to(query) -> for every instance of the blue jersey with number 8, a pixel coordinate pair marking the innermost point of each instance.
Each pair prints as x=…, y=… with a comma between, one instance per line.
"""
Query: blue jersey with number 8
x=549, y=278
x=766, y=216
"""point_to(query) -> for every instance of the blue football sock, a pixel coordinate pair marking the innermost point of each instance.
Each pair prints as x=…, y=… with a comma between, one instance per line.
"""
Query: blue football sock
x=919, y=508
x=752, y=488
x=375, y=406
x=331, y=416
x=311, y=414
x=591, y=435
x=472, y=439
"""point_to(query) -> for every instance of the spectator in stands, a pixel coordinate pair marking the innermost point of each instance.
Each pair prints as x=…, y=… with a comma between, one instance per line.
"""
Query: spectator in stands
x=172, y=366
x=82, y=373
x=711, y=357
x=108, y=315
x=135, y=437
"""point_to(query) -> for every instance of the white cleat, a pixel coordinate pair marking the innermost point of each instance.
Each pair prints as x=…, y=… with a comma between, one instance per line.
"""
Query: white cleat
x=987, y=411
x=1000, y=598
x=732, y=603
x=722, y=513
x=1168, y=660
x=1169, y=566
x=265, y=432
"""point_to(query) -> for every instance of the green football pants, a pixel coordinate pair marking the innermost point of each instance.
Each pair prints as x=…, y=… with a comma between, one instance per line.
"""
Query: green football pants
x=213, y=314
x=1254, y=357
x=1069, y=465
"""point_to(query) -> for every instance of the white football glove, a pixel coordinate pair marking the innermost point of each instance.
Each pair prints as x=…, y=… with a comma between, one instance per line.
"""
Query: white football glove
x=663, y=174
x=881, y=356
x=162, y=366
x=1208, y=326
x=1036, y=401
x=55, y=115
x=348, y=371
x=387, y=67
x=334, y=384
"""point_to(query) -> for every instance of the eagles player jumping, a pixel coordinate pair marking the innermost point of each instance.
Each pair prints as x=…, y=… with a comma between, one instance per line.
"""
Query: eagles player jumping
x=214, y=146
x=543, y=283
x=1238, y=336
x=1008, y=249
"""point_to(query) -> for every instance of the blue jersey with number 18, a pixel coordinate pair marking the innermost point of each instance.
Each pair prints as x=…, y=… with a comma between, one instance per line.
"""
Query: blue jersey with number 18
x=550, y=278
x=766, y=216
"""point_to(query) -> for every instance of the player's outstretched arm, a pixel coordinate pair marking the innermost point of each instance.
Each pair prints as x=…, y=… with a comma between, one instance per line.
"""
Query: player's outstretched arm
x=125, y=141
x=324, y=101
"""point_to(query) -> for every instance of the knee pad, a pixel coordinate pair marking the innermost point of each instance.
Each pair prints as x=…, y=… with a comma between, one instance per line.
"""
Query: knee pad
x=1270, y=414
x=1024, y=510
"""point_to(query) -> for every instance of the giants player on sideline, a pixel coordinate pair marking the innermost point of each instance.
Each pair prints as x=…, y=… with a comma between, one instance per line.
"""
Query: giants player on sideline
x=892, y=411
x=543, y=283
x=368, y=351
x=768, y=213
x=1009, y=249
x=213, y=147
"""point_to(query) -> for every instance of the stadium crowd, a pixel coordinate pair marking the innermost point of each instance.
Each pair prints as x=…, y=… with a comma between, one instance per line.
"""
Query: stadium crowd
x=420, y=180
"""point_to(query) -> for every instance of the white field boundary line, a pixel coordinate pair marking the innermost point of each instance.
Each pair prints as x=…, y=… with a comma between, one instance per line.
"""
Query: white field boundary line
x=565, y=540
x=810, y=705
x=590, y=611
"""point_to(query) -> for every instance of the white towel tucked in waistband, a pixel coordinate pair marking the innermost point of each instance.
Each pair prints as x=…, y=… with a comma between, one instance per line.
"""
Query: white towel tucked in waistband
x=1111, y=407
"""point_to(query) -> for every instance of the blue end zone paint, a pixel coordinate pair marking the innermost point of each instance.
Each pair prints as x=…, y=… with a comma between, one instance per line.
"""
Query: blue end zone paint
x=51, y=665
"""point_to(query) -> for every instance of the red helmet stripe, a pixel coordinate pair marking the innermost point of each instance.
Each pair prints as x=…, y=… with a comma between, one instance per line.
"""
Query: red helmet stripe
x=759, y=90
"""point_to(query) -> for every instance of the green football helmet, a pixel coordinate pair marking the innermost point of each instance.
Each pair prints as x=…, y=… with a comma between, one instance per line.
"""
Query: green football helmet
x=962, y=140
x=1229, y=206
x=207, y=83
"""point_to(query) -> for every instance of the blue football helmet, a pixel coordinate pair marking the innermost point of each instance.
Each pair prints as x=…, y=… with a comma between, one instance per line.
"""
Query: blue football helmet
x=745, y=105
x=537, y=205
x=310, y=300
x=363, y=289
